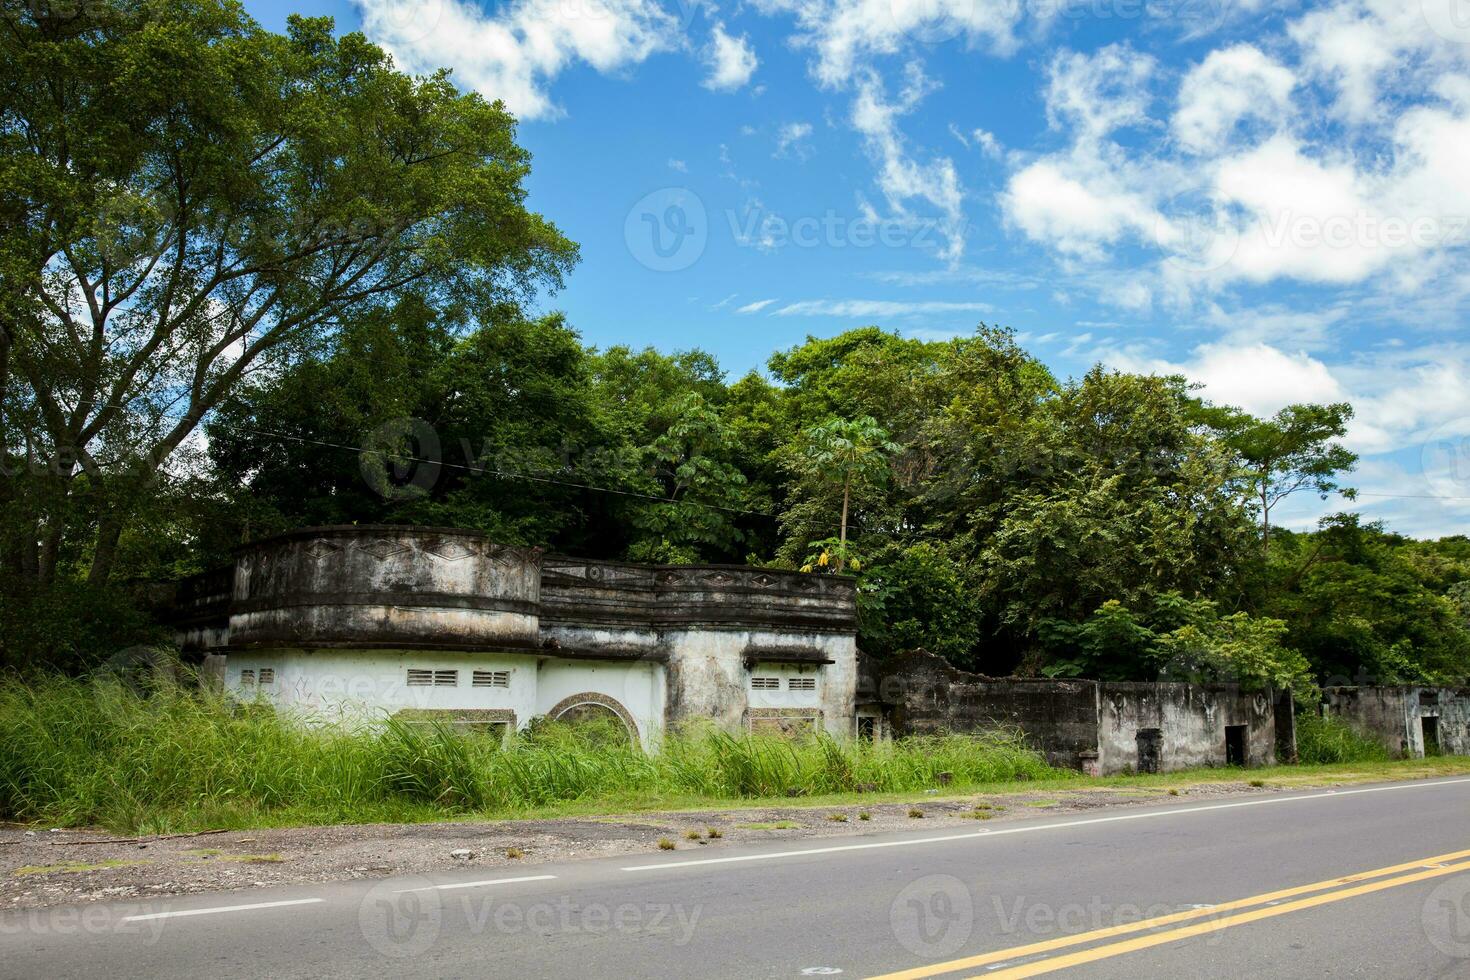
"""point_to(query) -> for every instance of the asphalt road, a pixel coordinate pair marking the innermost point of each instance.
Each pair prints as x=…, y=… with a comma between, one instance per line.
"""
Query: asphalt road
x=1230, y=889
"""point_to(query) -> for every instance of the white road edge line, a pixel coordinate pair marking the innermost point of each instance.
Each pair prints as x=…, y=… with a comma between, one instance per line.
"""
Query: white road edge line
x=1031, y=829
x=221, y=908
x=475, y=884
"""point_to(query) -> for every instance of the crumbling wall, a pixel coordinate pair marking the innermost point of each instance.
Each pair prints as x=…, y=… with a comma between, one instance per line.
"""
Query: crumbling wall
x=1079, y=724
x=1191, y=721
x=928, y=696
x=1394, y=716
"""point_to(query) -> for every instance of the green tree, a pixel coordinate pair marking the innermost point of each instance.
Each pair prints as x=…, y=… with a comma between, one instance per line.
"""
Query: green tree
x=1293, y=451
x=837, y=459
x=187, y=199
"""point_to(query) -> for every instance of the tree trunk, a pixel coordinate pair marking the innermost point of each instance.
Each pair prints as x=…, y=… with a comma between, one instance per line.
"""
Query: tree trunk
x=105, y=553
x=842, y=534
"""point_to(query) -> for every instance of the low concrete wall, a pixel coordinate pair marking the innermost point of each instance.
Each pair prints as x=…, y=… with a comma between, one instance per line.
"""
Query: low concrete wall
x=928, y=696
x=1395, y=716
x=1191, y=720
x=1078, y=724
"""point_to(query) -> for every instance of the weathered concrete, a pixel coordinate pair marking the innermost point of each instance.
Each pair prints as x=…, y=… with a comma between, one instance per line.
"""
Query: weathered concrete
x=1192, y=720
x=345, y=621
x=1081, y=724
x=1396, y=716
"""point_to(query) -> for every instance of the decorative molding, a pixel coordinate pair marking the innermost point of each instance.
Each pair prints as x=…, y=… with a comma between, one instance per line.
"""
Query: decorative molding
x=382, y=548
x=320, y=549
x=788, y=721
x=602, y=700
x=450, y=550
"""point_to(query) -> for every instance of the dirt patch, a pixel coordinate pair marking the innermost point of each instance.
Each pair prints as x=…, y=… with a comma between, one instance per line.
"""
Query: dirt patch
x=41, y=868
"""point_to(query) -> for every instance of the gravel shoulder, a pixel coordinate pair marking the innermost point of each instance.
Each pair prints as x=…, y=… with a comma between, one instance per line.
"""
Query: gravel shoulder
x=41, y=867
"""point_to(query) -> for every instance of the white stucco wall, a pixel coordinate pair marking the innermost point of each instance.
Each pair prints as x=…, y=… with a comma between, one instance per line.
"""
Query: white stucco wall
x=708, y=678
x=355, y=686
x=368, y=685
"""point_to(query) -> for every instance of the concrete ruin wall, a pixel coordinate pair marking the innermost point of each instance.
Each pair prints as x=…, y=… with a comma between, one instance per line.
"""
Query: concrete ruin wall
x=929, y=697
x=1079, y=724
x=1191, y=720
x=1395, y=716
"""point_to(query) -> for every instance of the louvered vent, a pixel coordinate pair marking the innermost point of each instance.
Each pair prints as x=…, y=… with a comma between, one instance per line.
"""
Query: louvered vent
x=422, y=677
x=765, y=683
x=490, y=678
x=801, y=684
x=267, y=675
x=247, y=677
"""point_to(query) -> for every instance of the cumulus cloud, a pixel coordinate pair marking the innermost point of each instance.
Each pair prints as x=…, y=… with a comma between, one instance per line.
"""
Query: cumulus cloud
x=1229, y=86
x=514, y=53
x=731, y=60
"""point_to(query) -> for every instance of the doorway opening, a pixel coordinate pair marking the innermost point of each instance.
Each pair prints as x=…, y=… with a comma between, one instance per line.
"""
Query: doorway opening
x=1150, y=749
x=1235, y=751
x=1431, y=734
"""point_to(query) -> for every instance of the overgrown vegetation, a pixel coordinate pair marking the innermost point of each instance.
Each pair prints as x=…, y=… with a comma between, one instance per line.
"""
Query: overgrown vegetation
x=1326, y=740
x=76, y=752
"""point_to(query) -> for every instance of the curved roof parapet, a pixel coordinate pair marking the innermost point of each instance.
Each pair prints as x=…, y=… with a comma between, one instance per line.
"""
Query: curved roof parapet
x=385, y=586
x=607, y=593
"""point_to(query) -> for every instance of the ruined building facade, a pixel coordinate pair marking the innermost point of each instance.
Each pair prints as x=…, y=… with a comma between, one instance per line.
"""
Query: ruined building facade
x=368, y=621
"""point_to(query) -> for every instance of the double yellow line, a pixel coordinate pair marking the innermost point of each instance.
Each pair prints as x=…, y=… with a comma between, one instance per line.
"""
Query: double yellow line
x=1270, y=904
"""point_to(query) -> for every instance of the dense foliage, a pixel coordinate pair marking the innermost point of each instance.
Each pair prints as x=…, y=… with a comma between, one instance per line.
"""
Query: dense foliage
x=320, y=264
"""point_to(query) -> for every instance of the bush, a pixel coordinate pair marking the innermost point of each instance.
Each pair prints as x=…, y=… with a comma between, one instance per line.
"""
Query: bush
x=167, y=756
x=1322, y=741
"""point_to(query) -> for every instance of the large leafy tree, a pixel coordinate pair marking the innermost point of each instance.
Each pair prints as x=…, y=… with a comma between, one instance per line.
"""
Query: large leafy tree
x=187, y=200
x=1294, y=451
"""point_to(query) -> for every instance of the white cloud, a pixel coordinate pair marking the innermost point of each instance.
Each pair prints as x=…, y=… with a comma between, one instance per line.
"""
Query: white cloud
x=512, y=54
x=678, y=165
x=902, y=178
x=791, y=140
x=1096, y=94
x=1247, y=188
x=865, y=308
x=847, y=34
x=731, y=60
x=1231, y=85
x=755, y=307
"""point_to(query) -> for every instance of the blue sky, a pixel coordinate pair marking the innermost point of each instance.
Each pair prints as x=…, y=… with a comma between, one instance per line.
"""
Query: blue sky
x=1273, y=198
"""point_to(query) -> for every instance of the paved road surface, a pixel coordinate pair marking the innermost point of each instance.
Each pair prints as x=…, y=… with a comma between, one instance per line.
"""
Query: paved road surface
x=1234, y=889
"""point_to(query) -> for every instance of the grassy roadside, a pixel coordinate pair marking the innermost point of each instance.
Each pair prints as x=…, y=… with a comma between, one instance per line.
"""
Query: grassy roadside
x=77, y=753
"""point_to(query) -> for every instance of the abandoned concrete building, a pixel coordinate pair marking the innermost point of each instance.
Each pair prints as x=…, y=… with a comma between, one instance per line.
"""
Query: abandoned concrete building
x=1411, y=722
x=361, y=622
x=1100, y=727
x=426, y=623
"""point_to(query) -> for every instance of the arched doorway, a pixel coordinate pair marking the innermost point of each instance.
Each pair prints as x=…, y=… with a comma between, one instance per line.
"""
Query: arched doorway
x=592, y=708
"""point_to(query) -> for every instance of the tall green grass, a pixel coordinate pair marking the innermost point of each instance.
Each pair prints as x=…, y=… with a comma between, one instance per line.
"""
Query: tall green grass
x=77, y=752
x=1327, y=740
